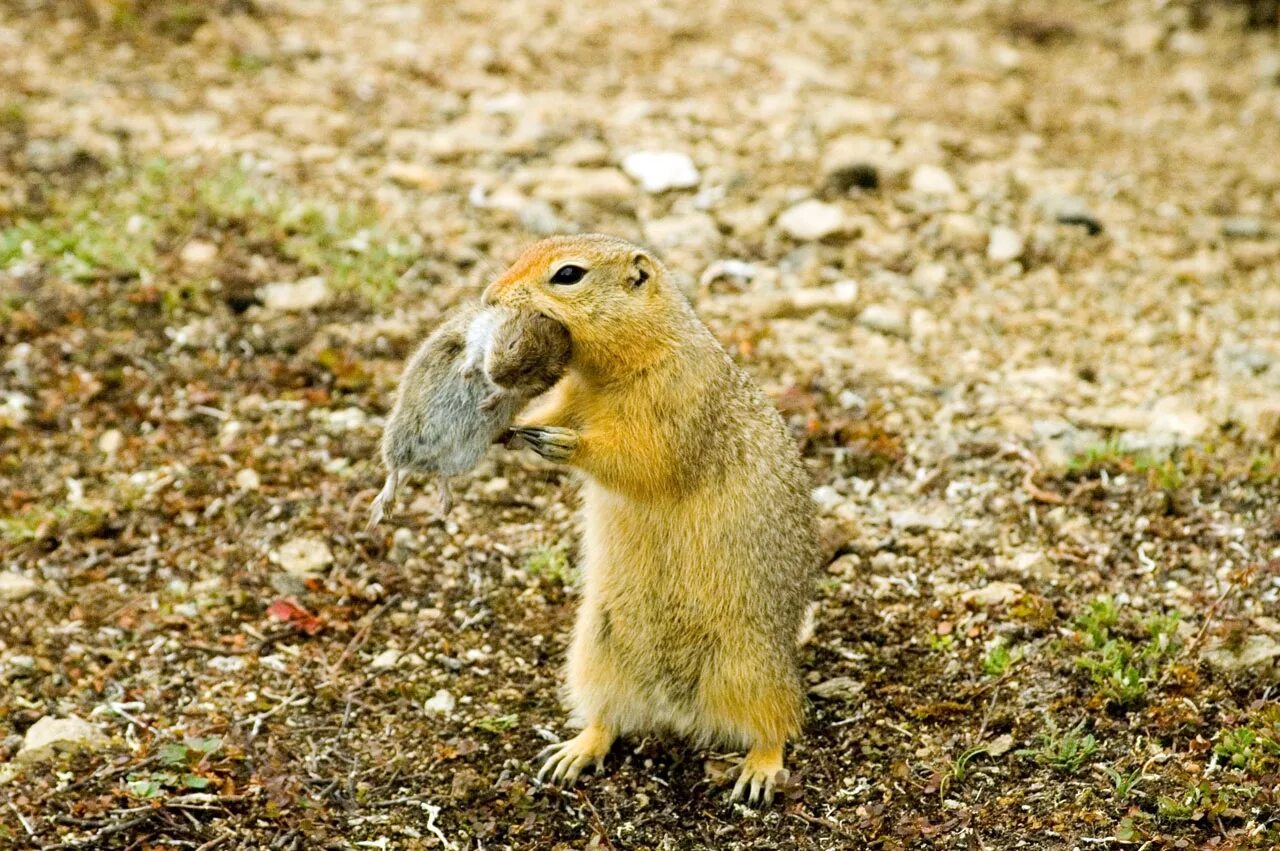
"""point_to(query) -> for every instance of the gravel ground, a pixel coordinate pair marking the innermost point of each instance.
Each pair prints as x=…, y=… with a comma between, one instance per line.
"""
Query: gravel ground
x=1011, y=271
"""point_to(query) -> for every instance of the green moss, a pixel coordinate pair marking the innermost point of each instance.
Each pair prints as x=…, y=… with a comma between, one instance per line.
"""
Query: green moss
x=128, y=224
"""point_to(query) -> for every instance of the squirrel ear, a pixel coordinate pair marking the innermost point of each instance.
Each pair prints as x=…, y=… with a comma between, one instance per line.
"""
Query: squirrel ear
x=641, y=269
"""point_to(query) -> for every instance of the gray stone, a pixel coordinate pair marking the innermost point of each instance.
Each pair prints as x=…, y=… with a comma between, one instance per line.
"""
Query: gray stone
x=811, y=220
x=838, y=688
x=661, y=171
x=51, y=735
x=15, y=586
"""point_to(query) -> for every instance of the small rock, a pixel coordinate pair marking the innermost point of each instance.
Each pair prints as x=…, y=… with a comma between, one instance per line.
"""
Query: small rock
x=198, y=253
x=690, y=231
x=110, y=441
x=304, y=556
x=50, y=735
x=993, y=594
x=1000, y=745
x=885, y=562
x=736, y=271
x=498, y=484
x=1143, y=36
x=928, y=278
x=826, y=497
x=386, y=660
x=539, y=218
x=1004, y=244
x=859, y=175
x=1069, y=210
x=660, y=171
x=227, y=664
x=442, y=703
x=248, y=480
x=403, y=542
x=811, y=220
x=1244, y=227
x=15, y=586
x=414, y=176
x=599, y=185
x=885, y=318
x=287, y=296
x=1257, y=650
x=932, y=180
x=916, y=521
x=838, y=688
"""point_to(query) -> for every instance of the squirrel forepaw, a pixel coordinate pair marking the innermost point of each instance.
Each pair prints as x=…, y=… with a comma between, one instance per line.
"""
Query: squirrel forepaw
x=551, y=442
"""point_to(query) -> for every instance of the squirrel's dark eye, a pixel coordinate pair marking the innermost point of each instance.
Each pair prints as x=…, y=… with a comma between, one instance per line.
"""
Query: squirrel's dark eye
x=568, y=274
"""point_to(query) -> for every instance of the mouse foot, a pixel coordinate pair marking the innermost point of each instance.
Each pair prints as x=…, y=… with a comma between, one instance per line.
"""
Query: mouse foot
x=384, y=501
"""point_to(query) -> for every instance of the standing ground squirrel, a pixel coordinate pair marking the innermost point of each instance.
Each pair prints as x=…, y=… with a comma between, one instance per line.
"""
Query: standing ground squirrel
x=461, y=389
x=698, y=540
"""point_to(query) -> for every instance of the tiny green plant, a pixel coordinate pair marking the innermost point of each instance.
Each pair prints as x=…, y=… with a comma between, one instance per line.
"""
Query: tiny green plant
x=941, y=643
x=960, y=768
x=999, y=658
x=496, y=723
x=1098, y=620
x=1114, y=672
x=1123, y=785
x=1246, y=749
x=551, y=562
x=1062, y=751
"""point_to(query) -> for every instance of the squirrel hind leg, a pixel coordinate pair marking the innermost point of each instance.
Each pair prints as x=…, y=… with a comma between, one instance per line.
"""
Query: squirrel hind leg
x=385, y=500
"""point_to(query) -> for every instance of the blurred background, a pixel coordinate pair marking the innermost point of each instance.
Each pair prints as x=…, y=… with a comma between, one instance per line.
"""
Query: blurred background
x=1010, y=270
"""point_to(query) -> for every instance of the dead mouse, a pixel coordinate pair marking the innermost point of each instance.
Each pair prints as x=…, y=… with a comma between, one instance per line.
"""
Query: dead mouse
x=462, y=389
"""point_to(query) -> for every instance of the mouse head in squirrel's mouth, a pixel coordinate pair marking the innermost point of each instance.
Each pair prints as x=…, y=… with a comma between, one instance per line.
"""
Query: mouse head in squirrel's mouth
x=612, y=296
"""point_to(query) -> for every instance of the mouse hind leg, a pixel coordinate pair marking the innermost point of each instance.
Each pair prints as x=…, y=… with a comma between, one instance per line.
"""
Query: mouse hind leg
x=385, y=500
x=446, y=497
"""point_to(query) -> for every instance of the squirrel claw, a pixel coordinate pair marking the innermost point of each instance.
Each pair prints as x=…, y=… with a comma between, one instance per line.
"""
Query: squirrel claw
x=761, y=777
x=551, y=442
x=563, y=762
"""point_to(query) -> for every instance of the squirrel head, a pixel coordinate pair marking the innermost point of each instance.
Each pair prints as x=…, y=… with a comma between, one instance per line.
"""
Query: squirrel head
x=615, y=298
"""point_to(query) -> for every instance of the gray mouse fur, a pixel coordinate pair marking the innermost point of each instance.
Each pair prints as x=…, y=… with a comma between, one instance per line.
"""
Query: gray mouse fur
x=462, y=389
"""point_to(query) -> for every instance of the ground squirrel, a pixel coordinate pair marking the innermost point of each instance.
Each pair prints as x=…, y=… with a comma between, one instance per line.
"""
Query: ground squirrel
x=698, y=538
x=461, y=390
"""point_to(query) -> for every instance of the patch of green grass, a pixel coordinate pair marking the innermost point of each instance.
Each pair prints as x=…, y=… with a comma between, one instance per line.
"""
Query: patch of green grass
x=1098, y=620
x=1163, y=472
x=32, y=523
x=941, y=643
x=1122, y=785
x=1063, y=751
x=1122, y=670
x=551, y=562
x=496, y=723
x=1205, y=798
x=13, y=117
x=1249, y=749
x=129, y=223
x=999, y=658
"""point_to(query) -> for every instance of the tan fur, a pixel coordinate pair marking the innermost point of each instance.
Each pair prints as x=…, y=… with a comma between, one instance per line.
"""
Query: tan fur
x=698, y=541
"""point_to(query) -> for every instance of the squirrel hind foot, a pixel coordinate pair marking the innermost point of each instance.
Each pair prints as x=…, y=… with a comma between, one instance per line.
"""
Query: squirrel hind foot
x=758, y=779
x=563, y=762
